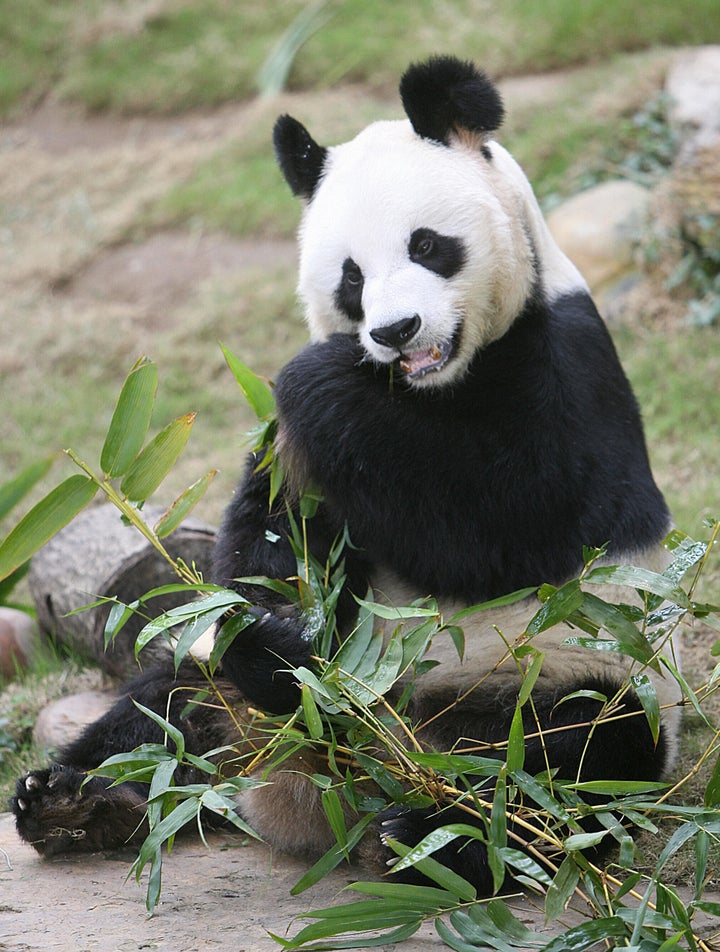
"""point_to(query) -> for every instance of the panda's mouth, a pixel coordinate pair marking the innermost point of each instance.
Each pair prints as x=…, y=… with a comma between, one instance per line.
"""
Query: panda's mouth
x=421, y=362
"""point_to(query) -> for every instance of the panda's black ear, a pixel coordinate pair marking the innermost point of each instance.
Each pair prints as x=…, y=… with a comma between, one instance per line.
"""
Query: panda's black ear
x=445, y=95
x=300, y=158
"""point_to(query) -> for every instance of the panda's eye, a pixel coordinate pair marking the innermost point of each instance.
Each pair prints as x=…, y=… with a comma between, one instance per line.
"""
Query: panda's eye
x=424, y=247
x=443, y=254
x=348, y=294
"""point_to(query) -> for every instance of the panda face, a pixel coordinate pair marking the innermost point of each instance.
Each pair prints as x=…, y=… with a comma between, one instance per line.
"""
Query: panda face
x=417, y=248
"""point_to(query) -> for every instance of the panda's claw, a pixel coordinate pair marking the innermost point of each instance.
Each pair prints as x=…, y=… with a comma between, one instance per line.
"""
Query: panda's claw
x=21, y=805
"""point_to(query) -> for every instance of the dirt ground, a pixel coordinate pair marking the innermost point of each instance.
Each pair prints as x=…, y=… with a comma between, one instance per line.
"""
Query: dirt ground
x=226, y=897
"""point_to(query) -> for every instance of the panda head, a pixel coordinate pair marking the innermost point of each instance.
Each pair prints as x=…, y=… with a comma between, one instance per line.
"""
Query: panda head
x=416, y=234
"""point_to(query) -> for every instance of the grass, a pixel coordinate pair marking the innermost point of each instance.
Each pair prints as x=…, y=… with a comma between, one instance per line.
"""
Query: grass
x=168, y=56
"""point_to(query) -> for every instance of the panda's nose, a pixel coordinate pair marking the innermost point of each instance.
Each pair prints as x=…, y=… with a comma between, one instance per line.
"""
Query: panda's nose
x=397, y=334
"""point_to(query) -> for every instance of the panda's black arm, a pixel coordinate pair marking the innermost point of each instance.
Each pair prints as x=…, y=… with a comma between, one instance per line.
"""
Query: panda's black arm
x=254, y=540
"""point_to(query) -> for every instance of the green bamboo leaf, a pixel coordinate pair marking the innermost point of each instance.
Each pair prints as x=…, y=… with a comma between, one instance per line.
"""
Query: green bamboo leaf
x=557, y=607
x=44, y=520
x=390, y=613
x=225, y=637
x=494, y=603
x=586, y=935
x=712, y=790
x=184, y=812
x=356, y=920
x=131, y=419
x=157, y=459
x=183, y=505
x=175, y=735
x=630, y=639
x=453, y=886
x=507, y=924
x=516, y=742
x=13, y=491
x=310, y=712
x=355, y=647
x=333, y=857
x=531, y=675
x=536, y=791
x=638, y=578
x=336, y=818
x=584, y=841
x=647, y=695
x=210, y=608
x=561, y=888
x=255, y=390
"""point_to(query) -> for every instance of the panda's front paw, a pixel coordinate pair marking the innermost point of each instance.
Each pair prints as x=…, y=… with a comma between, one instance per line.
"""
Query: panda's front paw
x=42, y=805
x=463, y=855
x=404, y=825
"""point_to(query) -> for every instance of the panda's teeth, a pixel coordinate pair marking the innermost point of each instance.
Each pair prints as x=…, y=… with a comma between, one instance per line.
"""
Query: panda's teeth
x=421, y=362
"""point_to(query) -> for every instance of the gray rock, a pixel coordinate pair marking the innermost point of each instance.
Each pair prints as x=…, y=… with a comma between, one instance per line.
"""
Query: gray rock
x=19, y=641
x=62, y=720
x=599, y=229
x=693, y=85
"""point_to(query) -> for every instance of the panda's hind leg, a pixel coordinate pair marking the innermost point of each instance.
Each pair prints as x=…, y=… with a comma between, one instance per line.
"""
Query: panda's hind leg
x=565, y=738
x=60, y=809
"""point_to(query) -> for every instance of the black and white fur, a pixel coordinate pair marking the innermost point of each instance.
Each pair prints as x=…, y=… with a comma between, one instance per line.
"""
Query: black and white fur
x=462, y=410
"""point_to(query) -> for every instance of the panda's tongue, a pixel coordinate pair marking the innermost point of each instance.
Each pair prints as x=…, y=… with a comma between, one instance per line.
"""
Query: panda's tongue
x=422, y=361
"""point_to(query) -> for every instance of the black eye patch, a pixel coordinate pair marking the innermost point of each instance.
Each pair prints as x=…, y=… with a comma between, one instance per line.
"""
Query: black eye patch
x=443, y=254
x=348, y=294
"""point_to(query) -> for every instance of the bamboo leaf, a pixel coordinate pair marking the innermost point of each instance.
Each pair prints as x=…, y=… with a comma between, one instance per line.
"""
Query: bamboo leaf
x=13, y=491
x=334, y=813
x=131, y=419
x=559, y=606
x=174, y=821
x=332, y=858
x=390, y=613
x=630, y=639
x=44, y=520
x=255, y=390
x=561, y=888
x=157, y=459
x=491, y=605
x=311, y=714
x=183, y=505
x=172, y=732
x=226, y=635
x=586, y=935
x=638, y=578
x=531, y=675
x=712, y=790
x=453, y=886
x=645, y=690
x=354, y=649
x=516, y=742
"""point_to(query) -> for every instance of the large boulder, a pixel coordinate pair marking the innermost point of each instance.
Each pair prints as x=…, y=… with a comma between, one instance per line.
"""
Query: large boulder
x=599, y=230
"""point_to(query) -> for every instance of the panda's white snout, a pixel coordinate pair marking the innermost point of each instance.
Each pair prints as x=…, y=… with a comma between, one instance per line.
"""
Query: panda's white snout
x=397, y=334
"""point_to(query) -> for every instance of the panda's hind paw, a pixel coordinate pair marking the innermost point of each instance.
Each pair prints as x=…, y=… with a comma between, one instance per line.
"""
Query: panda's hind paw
x=43, y=803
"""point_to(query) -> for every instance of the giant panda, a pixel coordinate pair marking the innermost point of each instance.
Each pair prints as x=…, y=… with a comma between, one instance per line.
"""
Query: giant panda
x=461, y=409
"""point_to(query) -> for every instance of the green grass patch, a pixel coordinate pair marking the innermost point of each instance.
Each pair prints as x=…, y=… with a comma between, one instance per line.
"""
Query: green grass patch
x=204, y=52
x=33, y=37
x=675, y=378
